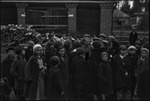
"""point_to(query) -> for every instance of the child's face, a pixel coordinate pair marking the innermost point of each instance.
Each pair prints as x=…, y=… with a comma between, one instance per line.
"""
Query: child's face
x=62, y=52
x=123, y=51
x=132, y=51
x=39, y=51
x=144, y=54
x=11, y=54
x=105, y=57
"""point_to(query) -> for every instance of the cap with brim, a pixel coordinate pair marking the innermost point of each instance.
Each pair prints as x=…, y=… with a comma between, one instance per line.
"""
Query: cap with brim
x=86, y=35
x=102, y=35
x=105, y=41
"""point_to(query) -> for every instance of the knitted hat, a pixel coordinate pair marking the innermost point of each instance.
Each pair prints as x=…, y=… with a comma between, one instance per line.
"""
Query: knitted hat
x=104, y=53
x=131, y=47
x=145, y=49
x=36, y=46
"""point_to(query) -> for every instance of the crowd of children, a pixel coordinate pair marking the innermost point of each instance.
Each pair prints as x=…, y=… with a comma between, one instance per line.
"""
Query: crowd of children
x=89, y=68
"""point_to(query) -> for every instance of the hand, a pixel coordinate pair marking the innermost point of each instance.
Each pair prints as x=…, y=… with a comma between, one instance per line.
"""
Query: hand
x=62, y=93
x=126, y=74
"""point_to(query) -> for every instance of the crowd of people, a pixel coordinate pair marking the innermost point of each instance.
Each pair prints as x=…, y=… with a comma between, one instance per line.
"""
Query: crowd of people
x=89, y=68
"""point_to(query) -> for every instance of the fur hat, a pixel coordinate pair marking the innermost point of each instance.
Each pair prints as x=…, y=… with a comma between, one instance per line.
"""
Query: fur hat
x=36, y=46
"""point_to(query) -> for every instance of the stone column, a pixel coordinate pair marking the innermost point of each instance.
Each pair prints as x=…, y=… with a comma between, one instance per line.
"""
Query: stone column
x=106, y=18
x=72, y=26
x=21, y=10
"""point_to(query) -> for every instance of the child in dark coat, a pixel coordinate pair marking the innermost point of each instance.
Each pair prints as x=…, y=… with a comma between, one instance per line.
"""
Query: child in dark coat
x=105, y=76
x=55, y=89
x=79, y=74
x=120, y=73
x=6, y=65
x=17, y=70
x=142, y=86
x=63, y=66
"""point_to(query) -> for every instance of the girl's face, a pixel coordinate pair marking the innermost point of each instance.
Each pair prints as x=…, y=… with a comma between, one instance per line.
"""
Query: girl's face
x=132, y=51
x=144, y=54
x=62, y=51
x=104, y=57
x=38, y=51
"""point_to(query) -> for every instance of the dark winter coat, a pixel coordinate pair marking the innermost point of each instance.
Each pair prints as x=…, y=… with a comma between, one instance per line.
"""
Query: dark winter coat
x=132, y=67
x=93, y=63
x=48, y=54
x=105, y=77
x=143, y=84
x=141, y=65
x=119, y=67
x=54, y=84
x=64, y=71
x=17, y=70
x=5, y=70
x=31, y=77
x=28, y=53
x=115, y=48
x=79, y=74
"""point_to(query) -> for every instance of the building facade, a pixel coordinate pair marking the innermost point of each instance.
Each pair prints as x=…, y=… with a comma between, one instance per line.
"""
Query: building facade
x=65, y=16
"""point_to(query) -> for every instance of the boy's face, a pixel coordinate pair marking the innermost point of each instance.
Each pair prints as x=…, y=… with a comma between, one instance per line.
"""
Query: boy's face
x=123, y=51
x=104, y=57
x=11, y=54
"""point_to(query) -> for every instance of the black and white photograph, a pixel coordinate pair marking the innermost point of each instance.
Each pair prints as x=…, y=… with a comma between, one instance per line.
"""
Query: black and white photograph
x=74, y=50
